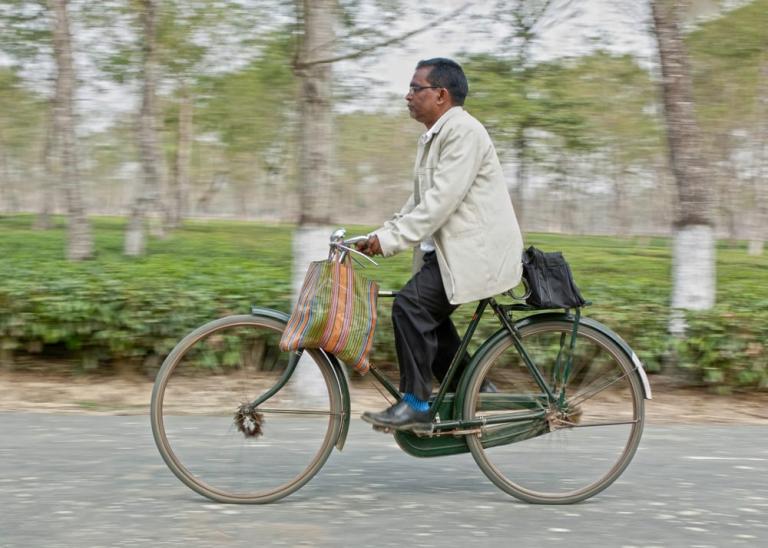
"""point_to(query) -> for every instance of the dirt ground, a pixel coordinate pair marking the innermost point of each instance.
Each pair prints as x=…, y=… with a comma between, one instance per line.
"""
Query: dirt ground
x=125, y=395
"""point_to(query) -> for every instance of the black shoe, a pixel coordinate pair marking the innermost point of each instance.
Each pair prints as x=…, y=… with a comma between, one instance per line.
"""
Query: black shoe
x=400, y=416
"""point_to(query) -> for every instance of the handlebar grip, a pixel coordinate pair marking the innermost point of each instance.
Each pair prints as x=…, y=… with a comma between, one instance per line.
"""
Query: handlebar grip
x=355, y=239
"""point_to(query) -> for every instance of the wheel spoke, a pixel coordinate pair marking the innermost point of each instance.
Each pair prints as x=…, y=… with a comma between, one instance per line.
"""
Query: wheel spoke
x=297, y=411
x=581, y=397
x=567, y=424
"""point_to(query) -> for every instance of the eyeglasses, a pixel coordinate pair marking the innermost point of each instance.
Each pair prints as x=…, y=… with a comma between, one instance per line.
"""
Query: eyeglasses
x=416, y=89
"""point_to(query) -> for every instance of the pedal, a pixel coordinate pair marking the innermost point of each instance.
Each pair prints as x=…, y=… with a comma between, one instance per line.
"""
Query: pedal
x=383, y=429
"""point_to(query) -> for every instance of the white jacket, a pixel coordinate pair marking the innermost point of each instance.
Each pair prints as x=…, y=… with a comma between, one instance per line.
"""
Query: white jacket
x=461, y=200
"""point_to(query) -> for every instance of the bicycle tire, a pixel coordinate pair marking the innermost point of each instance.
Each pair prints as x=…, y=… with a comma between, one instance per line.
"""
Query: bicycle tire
x=197, y=436
x=568, y=457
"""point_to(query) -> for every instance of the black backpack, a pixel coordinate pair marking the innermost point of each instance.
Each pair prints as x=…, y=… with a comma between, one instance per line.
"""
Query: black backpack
x=550, y=280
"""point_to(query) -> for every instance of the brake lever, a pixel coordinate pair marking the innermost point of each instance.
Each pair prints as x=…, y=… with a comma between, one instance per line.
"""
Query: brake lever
x=356, y=252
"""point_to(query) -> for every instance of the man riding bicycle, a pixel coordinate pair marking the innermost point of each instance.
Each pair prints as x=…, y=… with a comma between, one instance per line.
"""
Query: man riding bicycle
x=461, y=224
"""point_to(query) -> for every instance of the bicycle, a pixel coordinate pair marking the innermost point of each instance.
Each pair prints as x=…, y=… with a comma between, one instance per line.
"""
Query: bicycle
x=562, y=422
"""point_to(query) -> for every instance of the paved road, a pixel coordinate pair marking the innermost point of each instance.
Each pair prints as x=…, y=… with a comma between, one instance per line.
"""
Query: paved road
x=87, y=481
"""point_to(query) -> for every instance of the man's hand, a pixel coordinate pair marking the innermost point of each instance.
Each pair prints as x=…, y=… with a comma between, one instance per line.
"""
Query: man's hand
x=370, y=246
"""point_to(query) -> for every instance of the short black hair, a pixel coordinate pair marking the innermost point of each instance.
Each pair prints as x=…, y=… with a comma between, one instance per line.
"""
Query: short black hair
x=447, y=74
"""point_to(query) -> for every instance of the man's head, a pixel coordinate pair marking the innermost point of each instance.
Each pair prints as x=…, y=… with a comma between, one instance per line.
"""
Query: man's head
x=437, y=85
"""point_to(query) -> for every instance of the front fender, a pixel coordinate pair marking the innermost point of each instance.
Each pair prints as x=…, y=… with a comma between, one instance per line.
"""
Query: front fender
x=342, y=379
x=339, y=372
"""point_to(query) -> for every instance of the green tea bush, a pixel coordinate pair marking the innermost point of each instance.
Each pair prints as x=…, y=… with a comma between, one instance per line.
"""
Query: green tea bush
x=117, y=310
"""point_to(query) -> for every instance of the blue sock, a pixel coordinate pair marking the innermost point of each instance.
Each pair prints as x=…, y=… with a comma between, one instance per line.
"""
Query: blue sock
x=416, y=403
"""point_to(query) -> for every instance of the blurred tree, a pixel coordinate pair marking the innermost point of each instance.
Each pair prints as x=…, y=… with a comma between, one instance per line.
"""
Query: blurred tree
x=760, y=176
x=180, y=43
x=579, y=112
x=316, y=28
x=318, y=21
x=25, y=37
x=605, y=110
x=694, y=240
x=35, y=30
x=249, y=115
x=194, y=42
x=729, y=56
x=147, y=199
x=21, y=128
x=79, y=237
x=522, y=18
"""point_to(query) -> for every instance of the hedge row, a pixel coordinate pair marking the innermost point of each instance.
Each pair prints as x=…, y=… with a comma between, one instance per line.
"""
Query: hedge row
x=114, y=310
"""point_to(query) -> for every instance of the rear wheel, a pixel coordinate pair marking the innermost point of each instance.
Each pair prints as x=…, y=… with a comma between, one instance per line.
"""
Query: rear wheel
x=208, y=378
x=581, y=446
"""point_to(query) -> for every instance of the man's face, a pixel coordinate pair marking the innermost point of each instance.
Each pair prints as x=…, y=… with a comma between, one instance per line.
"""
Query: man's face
x=425, y=103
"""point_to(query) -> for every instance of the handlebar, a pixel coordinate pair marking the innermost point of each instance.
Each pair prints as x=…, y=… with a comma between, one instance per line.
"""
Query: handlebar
x=345, y=246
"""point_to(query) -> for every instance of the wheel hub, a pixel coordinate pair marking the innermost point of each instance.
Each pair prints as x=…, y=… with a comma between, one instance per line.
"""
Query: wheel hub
x=249, y=421
x=564, y=417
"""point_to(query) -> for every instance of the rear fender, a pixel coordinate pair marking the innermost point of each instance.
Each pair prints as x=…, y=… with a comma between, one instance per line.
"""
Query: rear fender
x=603, y=329
x=538, y=318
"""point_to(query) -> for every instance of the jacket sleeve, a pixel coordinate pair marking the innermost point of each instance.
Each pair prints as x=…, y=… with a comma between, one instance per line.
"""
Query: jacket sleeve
x=460, y=158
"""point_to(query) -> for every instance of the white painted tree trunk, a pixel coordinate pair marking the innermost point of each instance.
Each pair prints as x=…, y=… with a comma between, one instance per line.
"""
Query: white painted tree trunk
x=694, y=245
x=315, y=154
x=693, y=273
x=310, y=243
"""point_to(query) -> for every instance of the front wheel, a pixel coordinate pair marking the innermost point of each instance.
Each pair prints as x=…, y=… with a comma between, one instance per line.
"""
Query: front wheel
x=581, y=443
x=207, y=379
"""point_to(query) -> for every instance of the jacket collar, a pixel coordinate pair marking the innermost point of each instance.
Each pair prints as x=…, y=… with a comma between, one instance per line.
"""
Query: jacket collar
x=435, y=129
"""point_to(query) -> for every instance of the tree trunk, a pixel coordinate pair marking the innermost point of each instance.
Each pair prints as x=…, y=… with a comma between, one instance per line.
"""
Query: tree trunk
x=622, y=217
x=523, y=16
x=694, y=243
x=315, y=149
x=315, y=139
x=760, y=212
x=43, y=220
x=179, y=187
x=79, y=237
x=147, y=200
x=6, y=190
x=315, y=114
x=521, y=173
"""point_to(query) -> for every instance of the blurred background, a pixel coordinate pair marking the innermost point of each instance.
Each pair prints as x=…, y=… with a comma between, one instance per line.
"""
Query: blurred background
x=159, y=160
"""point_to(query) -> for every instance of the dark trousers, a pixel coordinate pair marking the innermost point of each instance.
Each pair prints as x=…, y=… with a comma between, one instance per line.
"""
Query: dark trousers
x=425, y=337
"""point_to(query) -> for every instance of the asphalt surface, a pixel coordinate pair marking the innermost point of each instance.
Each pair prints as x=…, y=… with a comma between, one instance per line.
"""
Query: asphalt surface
x=88, y=481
